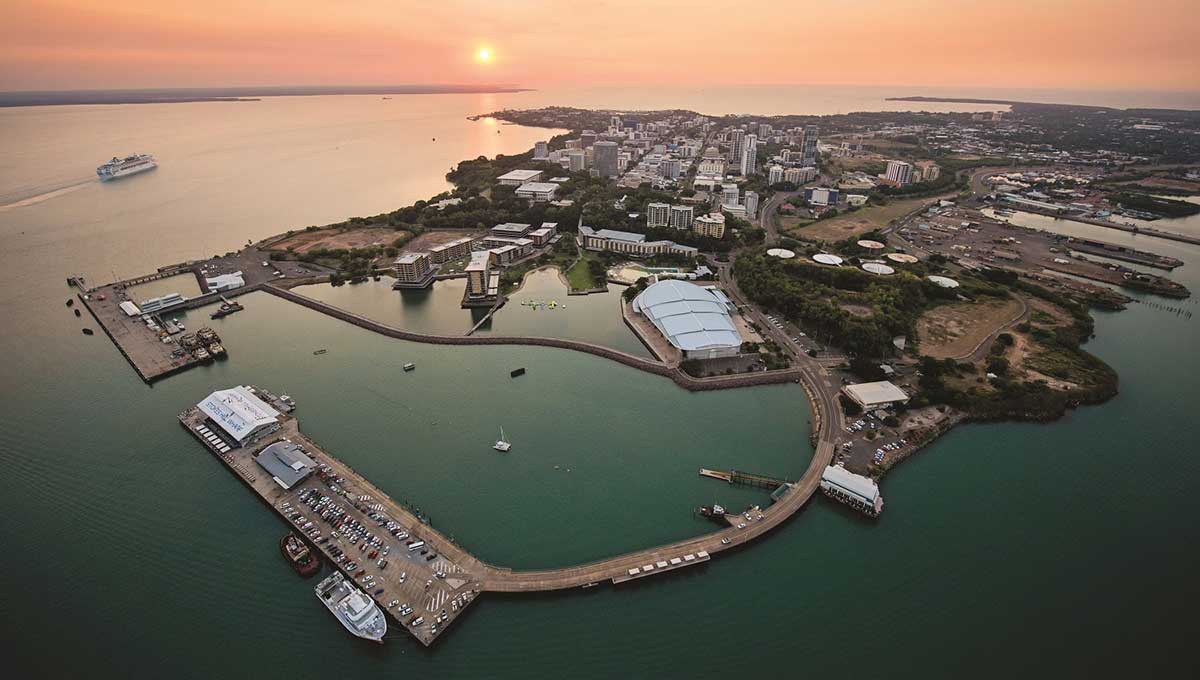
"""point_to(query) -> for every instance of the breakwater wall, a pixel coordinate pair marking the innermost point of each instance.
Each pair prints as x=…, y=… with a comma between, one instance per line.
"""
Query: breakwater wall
x=674, y=374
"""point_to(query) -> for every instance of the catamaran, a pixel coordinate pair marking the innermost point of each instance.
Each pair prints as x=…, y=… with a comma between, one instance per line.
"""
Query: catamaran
x=502, y=444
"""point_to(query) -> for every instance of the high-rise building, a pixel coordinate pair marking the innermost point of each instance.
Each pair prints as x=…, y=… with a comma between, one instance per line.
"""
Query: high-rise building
x=614, y=123
x=751, y=202
x=764, y=130
x=712, y=224
x=737, y=140
x=775, y=174
x=799, y=175
x=729, y=194
x=749, y=162
x=926, y=171
x=899, y=173
x=587, y=138
x=411, y=267
x=808, y=147
x=604, y=159
x=576, y=160
x=682, y=216
x=670, y=168
x=658, y=214
x=541, y=149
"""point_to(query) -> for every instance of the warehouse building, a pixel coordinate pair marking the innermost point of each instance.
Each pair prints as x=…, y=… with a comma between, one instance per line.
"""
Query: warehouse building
x=874, y=395
x=286, y=462
x=692, y=319
x=240, y=414
x=860, y=493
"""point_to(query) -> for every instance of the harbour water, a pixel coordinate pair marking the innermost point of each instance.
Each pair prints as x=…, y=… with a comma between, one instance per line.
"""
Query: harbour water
x=1061, y=549
x=436, y=310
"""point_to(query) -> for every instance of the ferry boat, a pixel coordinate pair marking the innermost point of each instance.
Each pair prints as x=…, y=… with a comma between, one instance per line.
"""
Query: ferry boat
x=123, y=167
x=357, y=613
x=502, y=444
x=298, y=555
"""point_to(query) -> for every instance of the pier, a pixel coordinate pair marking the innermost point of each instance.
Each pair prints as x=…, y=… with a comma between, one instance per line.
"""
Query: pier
x=449, y=575
x=745, y=478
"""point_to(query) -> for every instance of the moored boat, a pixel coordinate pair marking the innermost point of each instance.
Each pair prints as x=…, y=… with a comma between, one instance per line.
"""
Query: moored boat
x=299, y=556
x=357, y=613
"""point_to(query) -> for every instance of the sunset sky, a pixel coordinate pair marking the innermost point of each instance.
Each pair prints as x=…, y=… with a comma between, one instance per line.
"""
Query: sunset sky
x=1115, y=44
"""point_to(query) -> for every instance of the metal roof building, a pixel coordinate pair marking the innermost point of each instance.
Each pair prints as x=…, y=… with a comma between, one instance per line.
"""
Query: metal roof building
x=239, y=413
x=875, y=394
x=691, y=318
x=853, y=490
x=286, y=463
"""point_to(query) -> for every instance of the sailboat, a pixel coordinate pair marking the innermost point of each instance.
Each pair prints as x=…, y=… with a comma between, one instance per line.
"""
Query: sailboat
x=502, y=444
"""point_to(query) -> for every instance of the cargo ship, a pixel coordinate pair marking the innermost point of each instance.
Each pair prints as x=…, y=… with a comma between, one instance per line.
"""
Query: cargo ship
x=298, y=555
x=123, y=167
x=357, y=613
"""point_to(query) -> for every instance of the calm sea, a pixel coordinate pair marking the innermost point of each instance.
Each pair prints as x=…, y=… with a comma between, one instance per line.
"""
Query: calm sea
x=1007, y=549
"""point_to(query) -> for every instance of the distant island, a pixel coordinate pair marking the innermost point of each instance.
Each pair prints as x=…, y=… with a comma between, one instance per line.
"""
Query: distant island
x=227, y=94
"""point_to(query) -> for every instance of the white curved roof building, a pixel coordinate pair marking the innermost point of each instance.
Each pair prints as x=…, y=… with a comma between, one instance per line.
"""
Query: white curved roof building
x=691, y=318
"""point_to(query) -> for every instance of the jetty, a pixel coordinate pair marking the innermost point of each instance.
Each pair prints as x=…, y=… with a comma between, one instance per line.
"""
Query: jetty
x=444, y=576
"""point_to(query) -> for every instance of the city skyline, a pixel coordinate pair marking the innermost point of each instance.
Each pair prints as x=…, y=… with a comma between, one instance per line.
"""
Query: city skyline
x=84, y=44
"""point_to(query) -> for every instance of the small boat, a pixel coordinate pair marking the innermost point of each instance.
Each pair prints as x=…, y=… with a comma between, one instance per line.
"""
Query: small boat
x=77, y=313
x=87, y=331
x=409, y=366
x=502, y=444
x=320, y=351
x=516, y=372
x=299, y=556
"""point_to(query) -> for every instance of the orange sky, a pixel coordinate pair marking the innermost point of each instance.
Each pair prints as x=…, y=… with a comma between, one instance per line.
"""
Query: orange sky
x=1113, y=44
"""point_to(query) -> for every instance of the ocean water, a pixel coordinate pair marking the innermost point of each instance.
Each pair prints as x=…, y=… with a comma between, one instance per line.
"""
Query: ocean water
x=1006, y=549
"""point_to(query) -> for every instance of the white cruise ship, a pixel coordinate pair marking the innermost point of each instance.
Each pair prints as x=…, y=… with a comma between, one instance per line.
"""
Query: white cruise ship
x=130, y=165
x=357, y=612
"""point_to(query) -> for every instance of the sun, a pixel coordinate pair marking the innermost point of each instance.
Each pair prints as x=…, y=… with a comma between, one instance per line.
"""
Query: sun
x=484, y=55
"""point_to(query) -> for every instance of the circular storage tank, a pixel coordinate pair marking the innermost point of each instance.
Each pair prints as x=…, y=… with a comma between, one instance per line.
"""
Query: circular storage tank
x=827, y=259
x=878, y=268
x=781, y=253
x=870, y=245
x=944, y=282
x=902, y=258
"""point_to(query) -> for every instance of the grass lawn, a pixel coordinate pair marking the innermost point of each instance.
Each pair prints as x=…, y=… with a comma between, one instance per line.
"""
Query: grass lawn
x=579, y=276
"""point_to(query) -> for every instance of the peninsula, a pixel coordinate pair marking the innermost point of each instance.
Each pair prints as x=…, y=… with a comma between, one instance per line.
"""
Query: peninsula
x=875, y=259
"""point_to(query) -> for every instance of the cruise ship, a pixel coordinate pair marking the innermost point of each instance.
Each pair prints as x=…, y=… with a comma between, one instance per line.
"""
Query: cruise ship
x=130, y=165
x=357, y=612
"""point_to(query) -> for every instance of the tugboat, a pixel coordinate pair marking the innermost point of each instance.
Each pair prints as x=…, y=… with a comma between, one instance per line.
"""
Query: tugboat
x=298, y=555
x=226, y=309
x=713, y=512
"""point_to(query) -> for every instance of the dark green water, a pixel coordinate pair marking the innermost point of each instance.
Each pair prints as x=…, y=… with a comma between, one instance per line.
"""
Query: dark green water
x=437, y=310
x=1066, y=549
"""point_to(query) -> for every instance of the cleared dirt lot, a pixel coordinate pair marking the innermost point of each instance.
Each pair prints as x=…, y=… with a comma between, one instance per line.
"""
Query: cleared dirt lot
x=955, y=331
x=434, y=238
x=859, y=222
x=332, y=239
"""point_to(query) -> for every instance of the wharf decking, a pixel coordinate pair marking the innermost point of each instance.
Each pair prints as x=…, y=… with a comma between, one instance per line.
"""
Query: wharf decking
x=463, y=571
